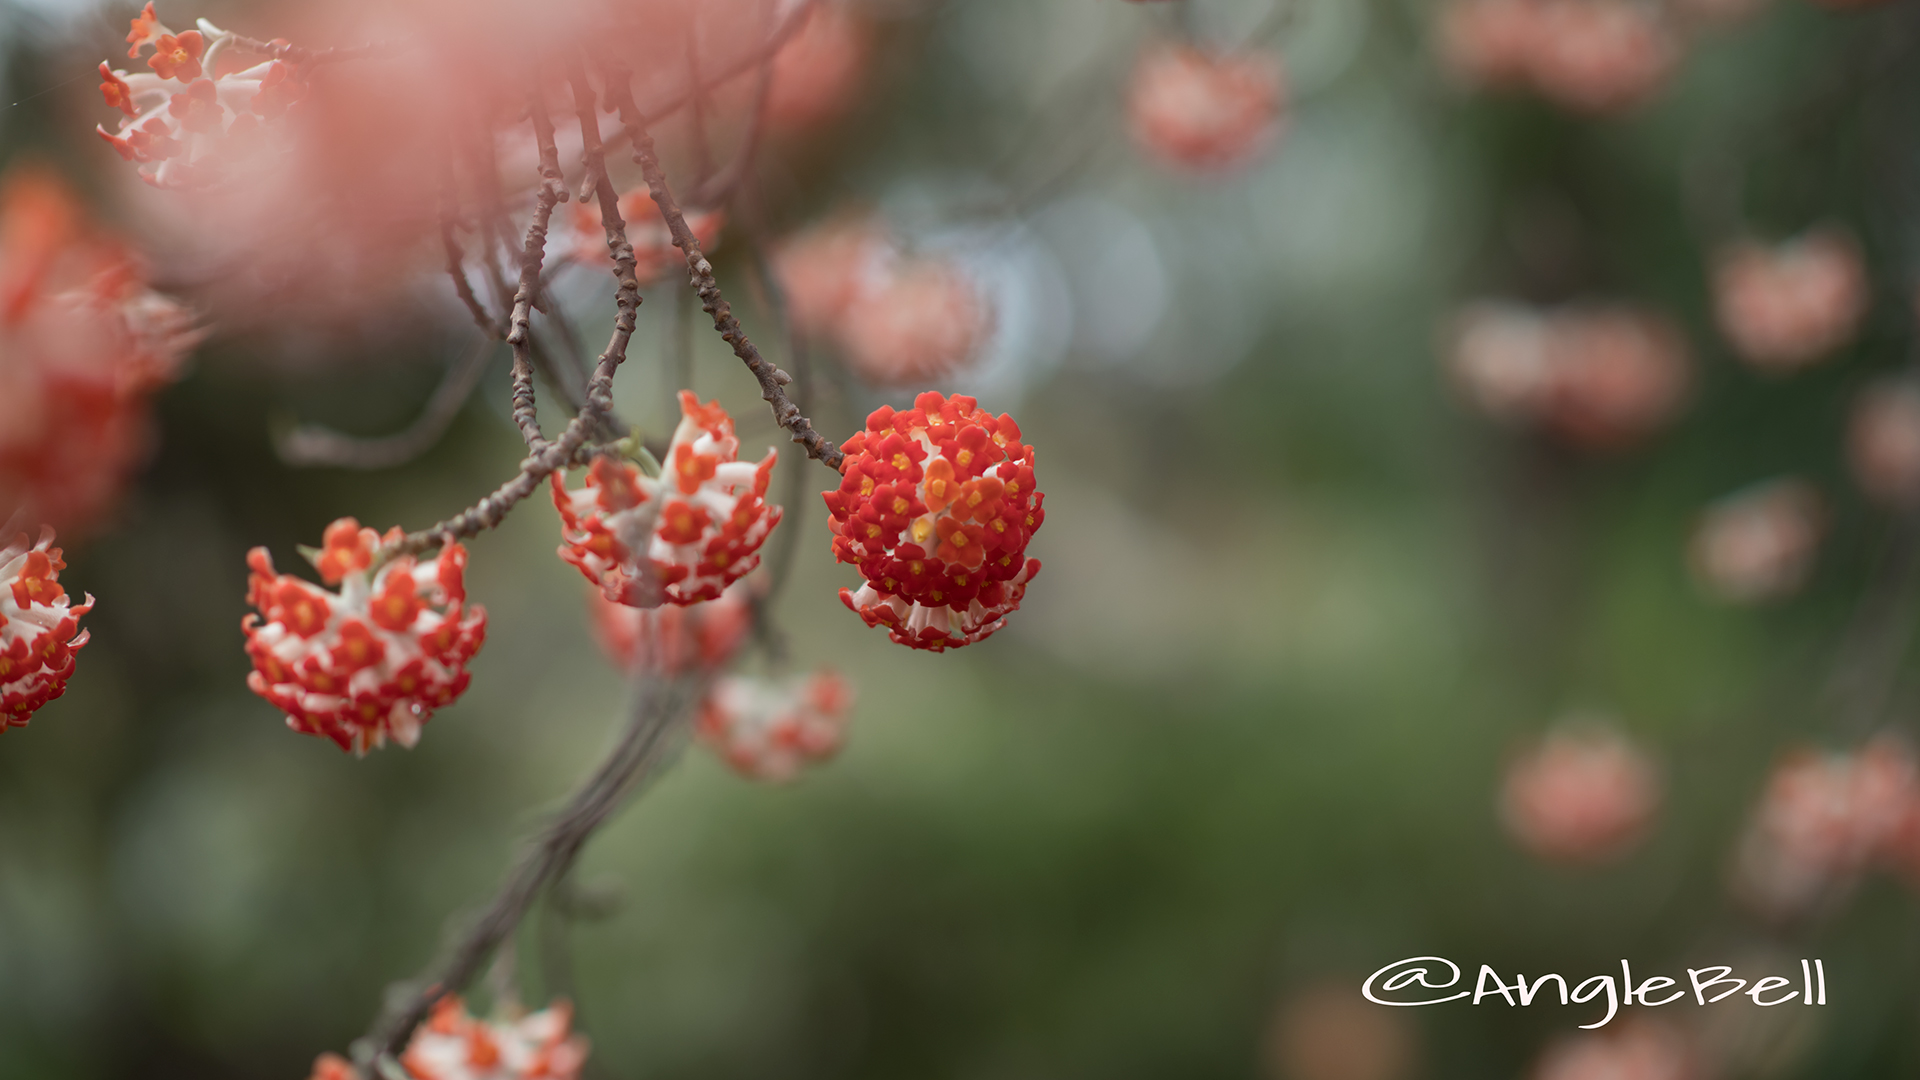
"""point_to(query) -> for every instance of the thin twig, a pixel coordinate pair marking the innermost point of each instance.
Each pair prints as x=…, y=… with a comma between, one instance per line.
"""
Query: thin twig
x=311, y=444
x=772, y=380
x=657, y=707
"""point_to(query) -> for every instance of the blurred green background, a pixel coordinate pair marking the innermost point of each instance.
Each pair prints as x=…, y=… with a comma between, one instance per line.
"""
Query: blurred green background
x=1245, y=737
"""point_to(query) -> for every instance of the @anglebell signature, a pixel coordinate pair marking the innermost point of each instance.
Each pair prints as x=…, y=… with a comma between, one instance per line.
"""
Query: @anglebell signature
x=1414, y=982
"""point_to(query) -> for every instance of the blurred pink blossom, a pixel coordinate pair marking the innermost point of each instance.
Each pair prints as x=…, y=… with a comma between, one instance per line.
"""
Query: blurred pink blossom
x=1883, y=442
x=1601, y=377
x=1589, y=55
x=1823, y=819
x=1205, y=112
x=1758, y=544
x=1790, y=305
x=1583, y=794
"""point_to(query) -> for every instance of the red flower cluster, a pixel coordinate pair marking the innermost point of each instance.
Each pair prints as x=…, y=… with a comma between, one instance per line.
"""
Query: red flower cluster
x=453, y=1045
x=671, y=639
x=897, y=318
x=1583, y=794
x=1824, y=818
x=83, y=345
x=1205, y=112
x=172, y=131
x=936, y=507
x=372, y=661
x=677, y=539
x=1791, y=305
x=770, y=730
x=1590, y=55
x=1599, y=376
x=37, y=624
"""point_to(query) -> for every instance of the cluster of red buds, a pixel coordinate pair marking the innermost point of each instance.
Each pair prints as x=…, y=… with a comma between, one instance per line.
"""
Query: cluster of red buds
x=372, y=661
x=194, y=105
x=453, y=1045
x=1583, y=794
x=1588, y=55
x=1758, y=544
x=1825, y=818
x=1790, y=305
x=86, y=344
x=897, y=318
x=1601, y=377
x=936, y=508
x=770, y=730
x=1205, y=111
x=682, y=537
x=37, y=628
x=1883, y=442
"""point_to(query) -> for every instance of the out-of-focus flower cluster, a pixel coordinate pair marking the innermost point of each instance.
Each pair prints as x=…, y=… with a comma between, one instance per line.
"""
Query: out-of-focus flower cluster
x=1601, y=377
x=936, y=508
x=675, y=539
x=771, y=729
x=897, y=318
x=1788, y=306
x=1583, y=794
x=38, y=621
x=83, y=346
x=1205, y=111
x=374, y=660
x=1588, y=55
x=195, y=105
x=1825, y=818
x=671, y=639
x=1758, y=544
x=453, y=1045
x=1883, y=442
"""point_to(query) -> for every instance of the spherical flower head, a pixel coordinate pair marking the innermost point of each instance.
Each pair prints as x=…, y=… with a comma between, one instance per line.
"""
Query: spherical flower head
x=453, y=1045
x=1791, y=305
x=681, y=537
x=936, y=506
x=1583, y=794
x=1824, y=818
x=672, y=639
x=771, y=730
x=1619, y=374
x=1600, y=56
x=373, y=660
x=917, y=319
x=822, y=269
x=1883, y=442
x=1758, y=544
x=38, y=624
x=1205, y=112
